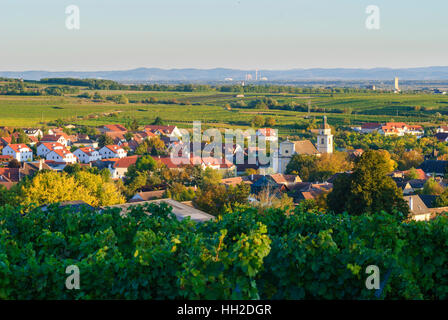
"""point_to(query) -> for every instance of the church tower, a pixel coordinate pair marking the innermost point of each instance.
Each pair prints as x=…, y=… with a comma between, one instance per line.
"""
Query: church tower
x=325, y=138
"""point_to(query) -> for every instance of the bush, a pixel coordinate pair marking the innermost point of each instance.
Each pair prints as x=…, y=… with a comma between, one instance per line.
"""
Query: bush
x=242, y=255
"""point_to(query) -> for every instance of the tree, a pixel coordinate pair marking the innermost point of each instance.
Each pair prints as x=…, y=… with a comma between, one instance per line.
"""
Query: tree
x=49, y=187
x=105, y=140
x=121, y=99
x=266, y=199
x=158, y=121
x=302, y=165
x=219, y=199
x=257, y=121
x=14, y=163
x=412, y=174
x=179, y=192
x=210, y=177
x=368, y=189
x=410, y=159
x=432, y=187
x=270, y=122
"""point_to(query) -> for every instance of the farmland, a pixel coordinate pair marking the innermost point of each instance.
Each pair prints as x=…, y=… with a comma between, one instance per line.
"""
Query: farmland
x=212, y=108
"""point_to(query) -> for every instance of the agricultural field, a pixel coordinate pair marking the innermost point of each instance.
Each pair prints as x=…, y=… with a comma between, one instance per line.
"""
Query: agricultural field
x=212, y=109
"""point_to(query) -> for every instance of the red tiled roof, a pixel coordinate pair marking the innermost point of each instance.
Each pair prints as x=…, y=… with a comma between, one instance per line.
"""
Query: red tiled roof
x=164, y=129
x=125, y=162
x=63, y=153
x=267, y=132
x=87, y=150
x=53, y=137
x=52, y=145
x=9, y=174
x=114, y=148
x=17, y=147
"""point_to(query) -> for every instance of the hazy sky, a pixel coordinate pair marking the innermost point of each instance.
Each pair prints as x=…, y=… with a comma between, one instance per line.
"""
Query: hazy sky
x=245, y=34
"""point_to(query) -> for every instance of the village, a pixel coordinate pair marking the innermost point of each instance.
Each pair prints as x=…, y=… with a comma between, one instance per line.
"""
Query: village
x=117, y=148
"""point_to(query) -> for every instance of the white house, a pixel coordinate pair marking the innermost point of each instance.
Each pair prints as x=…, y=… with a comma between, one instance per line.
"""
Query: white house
x=21, y=152
x=31, y=132
x=169, y=131
x=61, y=156
x=267, y=134
x=87, y=154
x=61, y=138
x=46, y=147
x=112, y=151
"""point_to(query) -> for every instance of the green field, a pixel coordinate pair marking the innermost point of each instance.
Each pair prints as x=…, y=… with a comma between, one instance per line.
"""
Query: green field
x=208, y=107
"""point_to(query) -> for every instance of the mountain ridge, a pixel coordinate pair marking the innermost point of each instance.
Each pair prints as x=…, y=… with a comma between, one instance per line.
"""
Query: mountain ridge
x=220, y=74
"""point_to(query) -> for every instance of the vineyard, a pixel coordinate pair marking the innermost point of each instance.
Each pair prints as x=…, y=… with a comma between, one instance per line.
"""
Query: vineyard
x=241, y=255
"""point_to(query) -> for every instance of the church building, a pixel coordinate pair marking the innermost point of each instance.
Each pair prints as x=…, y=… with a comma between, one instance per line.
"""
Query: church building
x=305, y=147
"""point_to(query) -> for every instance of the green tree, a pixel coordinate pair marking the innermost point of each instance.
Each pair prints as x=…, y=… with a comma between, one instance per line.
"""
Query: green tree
x=368, y=189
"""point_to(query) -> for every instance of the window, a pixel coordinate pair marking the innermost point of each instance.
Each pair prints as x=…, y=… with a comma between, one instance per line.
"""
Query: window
x=323, y=141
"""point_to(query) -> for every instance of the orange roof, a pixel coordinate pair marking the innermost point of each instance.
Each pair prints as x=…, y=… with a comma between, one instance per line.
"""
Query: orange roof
x=87, y=150
x=125, y=162
x=114, y=148
x=53, y=137
x=267, y=132
x=52, y=145
x=17, y=147
x=63, y=153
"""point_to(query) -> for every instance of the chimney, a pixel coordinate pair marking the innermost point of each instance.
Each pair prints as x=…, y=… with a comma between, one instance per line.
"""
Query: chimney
x=411, y=203
x=41, y=163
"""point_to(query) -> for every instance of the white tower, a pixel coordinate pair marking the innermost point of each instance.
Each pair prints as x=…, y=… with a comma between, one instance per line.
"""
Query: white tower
x=325, y=138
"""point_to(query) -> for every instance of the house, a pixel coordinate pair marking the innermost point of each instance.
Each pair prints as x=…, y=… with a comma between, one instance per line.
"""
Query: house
x=180, y=210
x=370, y=127
x=436, y=167
x=61, y=156
x=267, y=134
x=238, y=180
x=10, y=174
x=51, y=138
x=309, y=191
x=120, y=167
x=290, y=148
x=21, y=152
x=442, y=136
x=169, y=131
x=288, y=180
x=113, y=128
x=267, y=182
x=87, y=154
x=85, y=143
x=112, y=151
x=44, y=148
x=4, y=160
x=419, y=211
x=147, y=196
x=442, y=129
x=400, y=129
x=9, y=177
x=31, y=132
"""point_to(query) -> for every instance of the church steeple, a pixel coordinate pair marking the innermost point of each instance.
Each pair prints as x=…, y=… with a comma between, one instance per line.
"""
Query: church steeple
x=325, y=138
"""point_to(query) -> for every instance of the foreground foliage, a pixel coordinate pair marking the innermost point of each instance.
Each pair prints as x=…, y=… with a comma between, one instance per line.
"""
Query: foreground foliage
x=241, y=255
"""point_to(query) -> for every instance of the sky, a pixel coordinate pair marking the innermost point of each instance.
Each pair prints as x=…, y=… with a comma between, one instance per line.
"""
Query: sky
x=240, y=34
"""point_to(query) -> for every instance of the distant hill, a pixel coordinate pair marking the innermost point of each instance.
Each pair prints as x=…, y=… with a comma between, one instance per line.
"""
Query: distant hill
x=220, y=74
